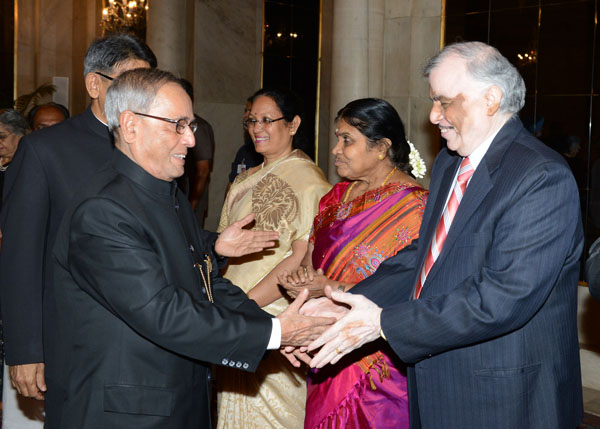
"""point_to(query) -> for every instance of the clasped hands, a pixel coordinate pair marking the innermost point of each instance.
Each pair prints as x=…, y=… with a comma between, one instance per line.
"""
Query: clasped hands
x=357, y=323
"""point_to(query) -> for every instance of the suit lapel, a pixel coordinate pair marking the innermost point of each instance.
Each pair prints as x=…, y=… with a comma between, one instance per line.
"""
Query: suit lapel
x=477, y=190
x=480, y=185
x=439, y=190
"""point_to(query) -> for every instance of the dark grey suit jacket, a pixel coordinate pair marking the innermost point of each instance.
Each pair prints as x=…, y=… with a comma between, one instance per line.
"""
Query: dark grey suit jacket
x=493, y=337
x=49, y=166
x=136, y=329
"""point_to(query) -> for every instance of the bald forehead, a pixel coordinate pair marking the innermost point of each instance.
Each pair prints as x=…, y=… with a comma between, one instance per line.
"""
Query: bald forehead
x=451, y=77
x=173, y=97
x=47, y=116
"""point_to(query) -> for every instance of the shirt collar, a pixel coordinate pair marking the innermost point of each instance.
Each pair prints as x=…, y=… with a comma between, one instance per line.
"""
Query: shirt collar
x=478, y=154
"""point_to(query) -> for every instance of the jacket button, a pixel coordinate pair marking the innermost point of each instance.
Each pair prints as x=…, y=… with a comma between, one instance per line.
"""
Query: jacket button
x=224, y=361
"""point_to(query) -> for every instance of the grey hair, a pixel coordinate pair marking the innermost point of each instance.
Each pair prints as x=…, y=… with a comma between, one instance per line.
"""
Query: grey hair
x=14, y=121
x=106, y=53
x=134, y=90
x=489, y=67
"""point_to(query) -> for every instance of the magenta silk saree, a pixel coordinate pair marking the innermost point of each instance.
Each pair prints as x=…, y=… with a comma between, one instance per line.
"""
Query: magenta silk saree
x=366, y=389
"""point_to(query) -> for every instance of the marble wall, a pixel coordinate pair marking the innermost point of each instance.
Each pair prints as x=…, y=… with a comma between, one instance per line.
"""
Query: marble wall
x=52, y=38
x=227, y=65
x=412, y=34
x=377, y=50
x=373, y=48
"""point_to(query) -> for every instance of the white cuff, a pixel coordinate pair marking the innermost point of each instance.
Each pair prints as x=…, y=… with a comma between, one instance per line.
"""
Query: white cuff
x=275, y=340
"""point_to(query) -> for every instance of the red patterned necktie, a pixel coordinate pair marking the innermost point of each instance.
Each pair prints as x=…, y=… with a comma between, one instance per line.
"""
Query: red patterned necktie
x=464, y=174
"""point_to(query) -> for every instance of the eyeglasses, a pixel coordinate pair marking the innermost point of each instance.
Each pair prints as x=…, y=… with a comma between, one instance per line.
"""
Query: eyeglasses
x=180, y=124
x=105, y=76
x=266, y=122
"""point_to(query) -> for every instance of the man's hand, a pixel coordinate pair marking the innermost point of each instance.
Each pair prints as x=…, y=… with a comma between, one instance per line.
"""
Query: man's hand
x=324, y=307
x=297, y=329
x=359, y=326
x=28, y=379
x=236, y=241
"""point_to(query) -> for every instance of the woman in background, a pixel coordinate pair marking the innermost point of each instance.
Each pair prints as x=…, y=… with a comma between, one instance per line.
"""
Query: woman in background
x=362, y=221
x=284, y=193
x=13, y=127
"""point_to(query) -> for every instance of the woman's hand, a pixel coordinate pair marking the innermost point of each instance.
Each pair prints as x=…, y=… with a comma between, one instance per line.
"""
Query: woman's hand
x=305, y=277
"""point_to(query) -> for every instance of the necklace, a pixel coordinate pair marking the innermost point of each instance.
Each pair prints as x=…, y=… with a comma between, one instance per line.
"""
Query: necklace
x=354, y=183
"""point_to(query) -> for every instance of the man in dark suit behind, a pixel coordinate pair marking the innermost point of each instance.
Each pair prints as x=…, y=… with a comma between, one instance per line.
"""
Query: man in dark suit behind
x=142, y=309
x=492, y=333
x=50, y=165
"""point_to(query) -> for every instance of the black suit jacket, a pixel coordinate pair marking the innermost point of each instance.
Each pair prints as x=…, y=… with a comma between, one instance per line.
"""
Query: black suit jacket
x=136, y=329
x=493, y=336
x=50, y=165
x=48, y=168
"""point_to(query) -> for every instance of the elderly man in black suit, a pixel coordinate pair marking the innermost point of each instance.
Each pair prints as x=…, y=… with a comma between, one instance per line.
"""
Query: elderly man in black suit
x=50, y=165
x=142, y=308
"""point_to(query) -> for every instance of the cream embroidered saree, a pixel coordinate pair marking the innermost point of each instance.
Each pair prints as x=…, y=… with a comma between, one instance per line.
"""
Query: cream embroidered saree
x=284, y=196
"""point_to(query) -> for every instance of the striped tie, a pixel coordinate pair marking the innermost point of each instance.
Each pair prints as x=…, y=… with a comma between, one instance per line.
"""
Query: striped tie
x=464, y=174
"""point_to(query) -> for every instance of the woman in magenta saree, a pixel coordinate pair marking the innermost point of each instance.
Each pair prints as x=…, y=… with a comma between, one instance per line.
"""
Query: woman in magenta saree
x=361, y=222
x=368, y=388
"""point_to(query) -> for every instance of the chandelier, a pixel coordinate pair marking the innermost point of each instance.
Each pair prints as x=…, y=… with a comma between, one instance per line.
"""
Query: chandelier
x=120, y=16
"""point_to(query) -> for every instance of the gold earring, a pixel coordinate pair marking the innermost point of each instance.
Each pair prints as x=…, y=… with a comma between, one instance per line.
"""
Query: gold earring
x=380, y=157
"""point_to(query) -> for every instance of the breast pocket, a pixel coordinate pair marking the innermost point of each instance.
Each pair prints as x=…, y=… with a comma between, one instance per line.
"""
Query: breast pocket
x=132, y=399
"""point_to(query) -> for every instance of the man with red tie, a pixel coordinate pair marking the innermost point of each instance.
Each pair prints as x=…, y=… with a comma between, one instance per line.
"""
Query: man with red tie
x=484, y=307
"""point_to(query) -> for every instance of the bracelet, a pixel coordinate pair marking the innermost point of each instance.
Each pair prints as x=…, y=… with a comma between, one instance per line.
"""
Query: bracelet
x=382, y=335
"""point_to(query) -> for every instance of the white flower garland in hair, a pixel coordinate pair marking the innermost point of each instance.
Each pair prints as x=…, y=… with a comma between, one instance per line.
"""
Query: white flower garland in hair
x=416, y=162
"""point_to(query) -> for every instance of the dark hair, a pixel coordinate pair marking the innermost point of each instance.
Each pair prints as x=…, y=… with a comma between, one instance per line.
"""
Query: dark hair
x=377, y=119
x=106, y=53
x=290, y=106
x=14, y=121
x=57, y=106
x=189, y=88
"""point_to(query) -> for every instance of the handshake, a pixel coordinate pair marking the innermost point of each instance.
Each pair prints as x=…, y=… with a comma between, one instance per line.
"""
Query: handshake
x=332, y=321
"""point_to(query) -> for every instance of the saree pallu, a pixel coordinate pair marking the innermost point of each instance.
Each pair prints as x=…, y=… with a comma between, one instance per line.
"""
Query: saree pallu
x=284, y=195
x=366, y=389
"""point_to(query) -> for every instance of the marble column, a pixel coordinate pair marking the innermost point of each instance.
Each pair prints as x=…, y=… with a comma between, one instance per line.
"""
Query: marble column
x=376, y=47
x=166, y=34
x=357, y=56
